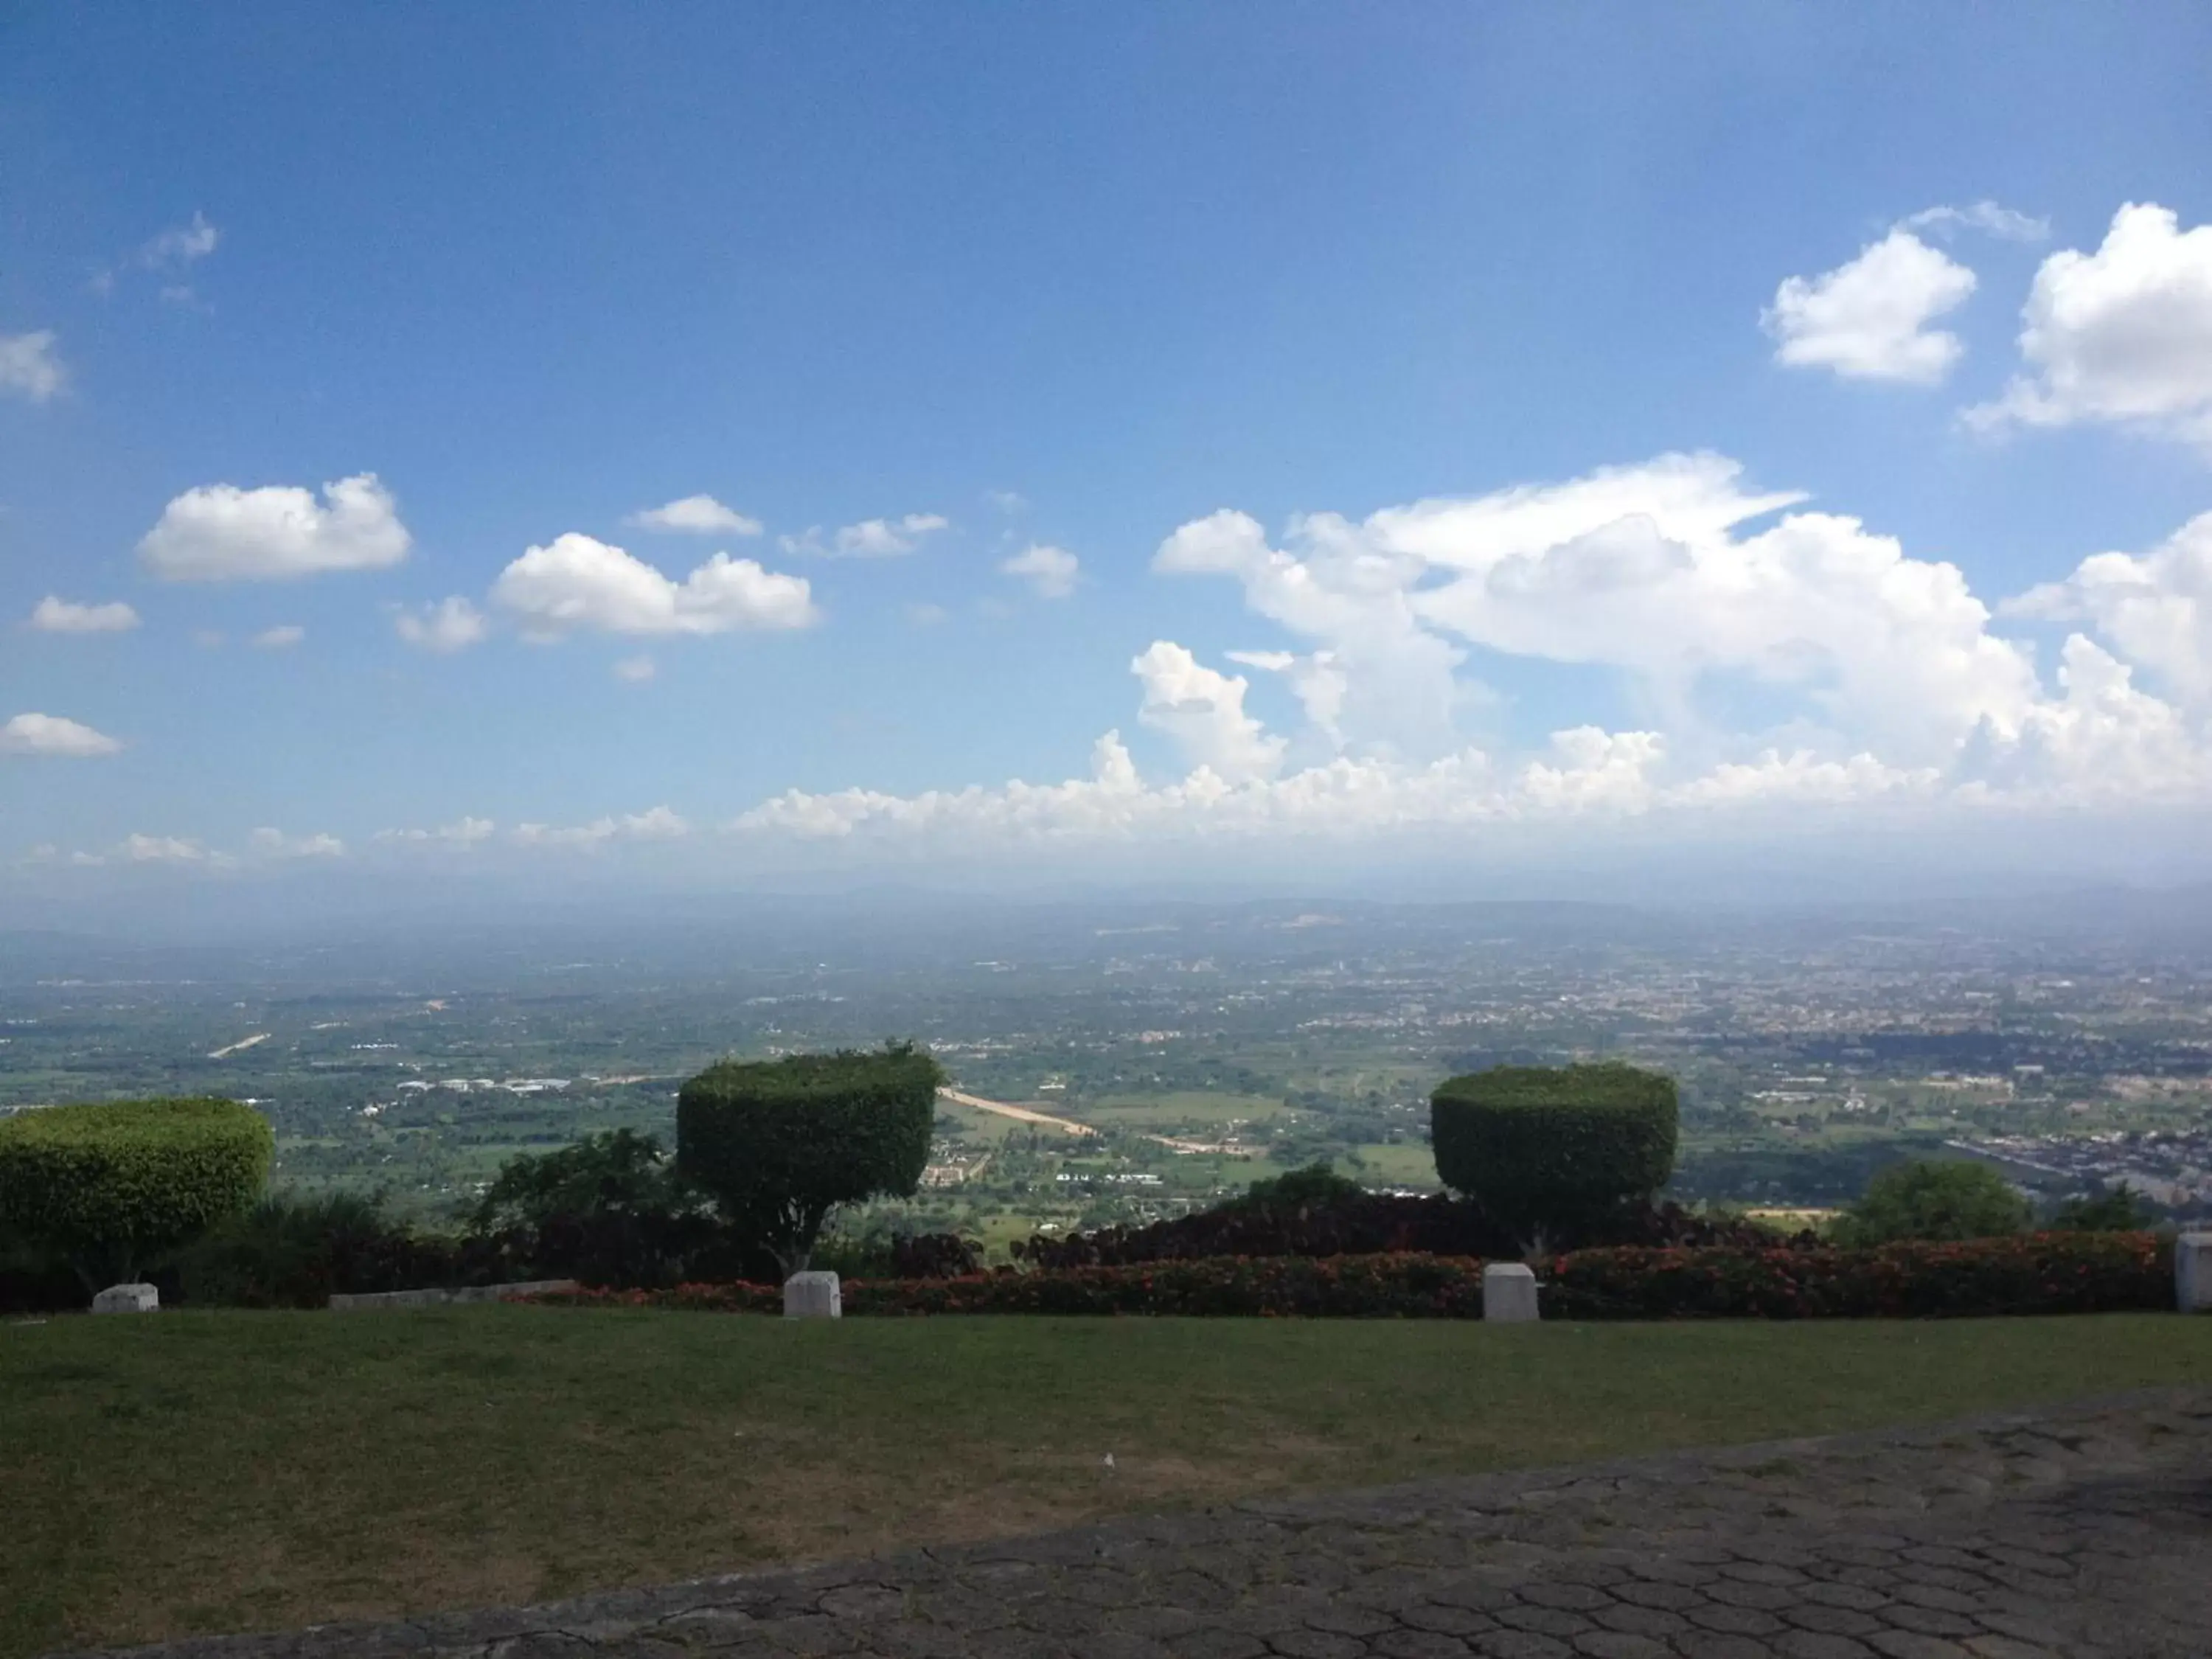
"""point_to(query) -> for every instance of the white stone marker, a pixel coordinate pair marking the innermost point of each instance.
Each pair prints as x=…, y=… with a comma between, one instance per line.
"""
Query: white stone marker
x=127, y=1299
x=1509, y=1293
x=812, y=1296
x=2192, y=1272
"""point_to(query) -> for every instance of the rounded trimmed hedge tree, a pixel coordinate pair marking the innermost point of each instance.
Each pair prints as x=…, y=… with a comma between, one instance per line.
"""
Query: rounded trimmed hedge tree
x=108, y=1186
x=782, y=1143
x=1540, y=1146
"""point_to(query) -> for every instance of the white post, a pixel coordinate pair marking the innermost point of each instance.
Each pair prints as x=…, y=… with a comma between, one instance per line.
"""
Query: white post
x=812, y=1296
x=2192, y=1272
x=127, y=1299
x=1509, y=1293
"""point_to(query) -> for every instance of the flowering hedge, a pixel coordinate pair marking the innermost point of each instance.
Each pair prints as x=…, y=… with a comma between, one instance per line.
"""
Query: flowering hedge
x=2043, y=1272
x=1401, y=1286
x=2028, y=1273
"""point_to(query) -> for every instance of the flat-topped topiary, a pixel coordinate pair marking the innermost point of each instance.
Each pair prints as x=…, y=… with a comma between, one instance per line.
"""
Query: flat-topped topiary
x=782, y=1143
x=1537, y=1145
x=110, y=1185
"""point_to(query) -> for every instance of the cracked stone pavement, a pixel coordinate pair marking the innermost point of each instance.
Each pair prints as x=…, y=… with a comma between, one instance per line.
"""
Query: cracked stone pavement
x=2077, y=1530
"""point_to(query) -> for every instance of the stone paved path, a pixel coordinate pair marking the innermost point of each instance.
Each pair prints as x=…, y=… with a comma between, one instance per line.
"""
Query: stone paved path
x=2082, y=1530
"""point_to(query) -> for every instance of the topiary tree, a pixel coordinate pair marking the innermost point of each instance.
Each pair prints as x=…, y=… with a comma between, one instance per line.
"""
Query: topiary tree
x=1540, y=1146
x=1933, y=1199
x=108, y=1187
x=782, y=1142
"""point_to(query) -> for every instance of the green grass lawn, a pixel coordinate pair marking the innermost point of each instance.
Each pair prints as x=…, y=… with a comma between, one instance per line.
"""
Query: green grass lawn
x=199, y=1472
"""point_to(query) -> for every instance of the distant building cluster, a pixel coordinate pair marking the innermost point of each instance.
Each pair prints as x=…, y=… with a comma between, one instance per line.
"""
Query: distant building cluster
x=2171, y=1168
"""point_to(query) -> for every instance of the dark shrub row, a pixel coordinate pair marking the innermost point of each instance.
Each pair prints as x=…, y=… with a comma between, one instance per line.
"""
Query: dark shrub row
x=1355, y=1223
x=2029, y=1273
x=2046, y=1273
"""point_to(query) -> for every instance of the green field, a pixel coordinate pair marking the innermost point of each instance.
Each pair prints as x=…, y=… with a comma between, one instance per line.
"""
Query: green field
x=224, y=1471
x=1188, y=1109
x=1407, y=1163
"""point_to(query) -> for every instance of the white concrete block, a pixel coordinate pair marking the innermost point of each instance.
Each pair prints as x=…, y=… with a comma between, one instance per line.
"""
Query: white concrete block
x=127, y=1299
x=1509, y=1292
x=812, y=1296
x=2192, y=1272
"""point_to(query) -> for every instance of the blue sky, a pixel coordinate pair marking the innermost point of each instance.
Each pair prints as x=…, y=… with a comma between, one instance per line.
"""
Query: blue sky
x=1075, y=279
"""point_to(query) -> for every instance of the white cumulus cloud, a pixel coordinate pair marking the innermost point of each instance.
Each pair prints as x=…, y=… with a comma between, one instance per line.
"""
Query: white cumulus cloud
x=180, y=246
x=2123, y=335
x=696, y=515
x=30, y=366
x=1203, y=710
x=580, y=583
x=655, y=824
x=269, y=844
x=1888, y=691
x=872, y=539
x=452, y=625
x=169, y=253
x=2007, y=223
x=218, y=533
x=53, y=615
x=1869, y=319
x=282, y=637
x=172, y=849
x=2102, y=742
x=635, y=670
x=1382, y=681
x=1051, y=572
x=1583, y=773
x=462, y=832
x=51, y=734
x=1642, y=569
x=2156, y=607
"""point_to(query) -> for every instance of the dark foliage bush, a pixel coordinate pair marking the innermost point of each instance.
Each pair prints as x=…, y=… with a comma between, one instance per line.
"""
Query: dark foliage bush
x=2038, y=1274
x=2116, y=1209
x=1543, y=1147
x=2047, y=1273
x=1933, y=1199
x=608, y=1209
x=935, y=1256
x=1357, y=1223
x=293, y=1252
x=884, y=1254
x=619, y=1172
x=34, y=1280
x=1315, y=1187
x=108, y=1187
x=780, y=1144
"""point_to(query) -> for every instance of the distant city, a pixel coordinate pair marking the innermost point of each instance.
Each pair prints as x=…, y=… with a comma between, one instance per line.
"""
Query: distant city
x=1116, y=1063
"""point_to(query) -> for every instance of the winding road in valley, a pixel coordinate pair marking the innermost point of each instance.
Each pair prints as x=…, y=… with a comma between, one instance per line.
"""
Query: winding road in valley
x=1022, y=1114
